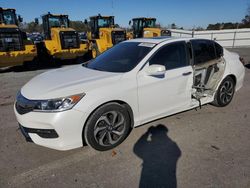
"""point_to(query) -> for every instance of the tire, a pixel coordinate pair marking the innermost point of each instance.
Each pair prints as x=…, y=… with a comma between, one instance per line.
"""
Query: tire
x=107, y=127
x=225, y=92
x=95, y=51
x=32, y=65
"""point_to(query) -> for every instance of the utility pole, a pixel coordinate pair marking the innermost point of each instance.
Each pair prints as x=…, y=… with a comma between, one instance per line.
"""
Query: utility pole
x=112, y=7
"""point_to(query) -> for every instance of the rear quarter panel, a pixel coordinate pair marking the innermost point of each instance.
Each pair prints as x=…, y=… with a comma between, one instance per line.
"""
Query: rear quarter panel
x=234, y=67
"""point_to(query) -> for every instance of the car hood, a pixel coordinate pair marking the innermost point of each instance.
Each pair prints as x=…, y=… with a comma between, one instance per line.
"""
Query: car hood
x=67, y=81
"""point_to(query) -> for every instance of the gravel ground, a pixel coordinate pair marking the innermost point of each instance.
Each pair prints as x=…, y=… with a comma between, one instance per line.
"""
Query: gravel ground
x=209, y=147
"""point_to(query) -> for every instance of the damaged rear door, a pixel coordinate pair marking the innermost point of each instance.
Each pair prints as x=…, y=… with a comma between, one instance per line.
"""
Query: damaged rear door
x=209, y=67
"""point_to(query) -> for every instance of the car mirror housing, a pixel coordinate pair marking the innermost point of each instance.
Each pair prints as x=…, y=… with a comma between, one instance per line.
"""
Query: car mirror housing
x=155, y=70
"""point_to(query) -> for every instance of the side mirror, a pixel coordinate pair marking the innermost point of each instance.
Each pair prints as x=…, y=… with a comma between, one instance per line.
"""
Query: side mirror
x=86, y=22
x=155, y=70
x=20, y=19
x=129, y=22
x=36, y=21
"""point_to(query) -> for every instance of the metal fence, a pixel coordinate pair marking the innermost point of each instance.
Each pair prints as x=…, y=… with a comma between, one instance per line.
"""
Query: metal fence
x=227, y=38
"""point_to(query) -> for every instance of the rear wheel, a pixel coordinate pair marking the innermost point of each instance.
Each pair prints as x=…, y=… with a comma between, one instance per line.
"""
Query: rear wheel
x=107, y=127
x=225, y=92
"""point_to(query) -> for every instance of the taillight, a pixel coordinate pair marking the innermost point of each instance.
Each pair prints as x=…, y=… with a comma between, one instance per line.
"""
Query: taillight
x=242, y=60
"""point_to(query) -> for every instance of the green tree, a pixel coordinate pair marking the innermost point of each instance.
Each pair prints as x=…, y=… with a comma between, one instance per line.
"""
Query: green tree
x=79, y=26
x=33, y=27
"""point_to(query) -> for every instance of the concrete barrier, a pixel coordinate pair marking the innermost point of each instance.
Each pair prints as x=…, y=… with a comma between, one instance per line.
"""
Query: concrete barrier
x=229, y=38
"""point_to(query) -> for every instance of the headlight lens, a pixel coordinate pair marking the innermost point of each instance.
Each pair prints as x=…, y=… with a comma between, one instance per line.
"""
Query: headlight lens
x=57, y=105
x=165, y=33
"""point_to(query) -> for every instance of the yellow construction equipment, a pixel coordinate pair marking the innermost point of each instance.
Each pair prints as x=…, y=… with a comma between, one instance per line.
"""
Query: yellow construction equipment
x=15, y=49
x=103, y=34
x=61, y=42
x=146, y=28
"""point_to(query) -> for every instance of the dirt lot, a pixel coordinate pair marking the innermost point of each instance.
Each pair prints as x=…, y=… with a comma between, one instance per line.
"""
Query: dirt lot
x=204, y=148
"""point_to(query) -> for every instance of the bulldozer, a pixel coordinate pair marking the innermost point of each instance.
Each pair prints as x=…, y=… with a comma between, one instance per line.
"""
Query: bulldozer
x=15, y=49
x=60, y=41
x=146, y=28
x=103, y=34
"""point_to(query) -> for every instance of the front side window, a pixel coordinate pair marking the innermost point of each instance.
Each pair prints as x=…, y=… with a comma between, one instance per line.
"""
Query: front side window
x=123, y=57
x=137, y=25
x=171, y=56
x=203, y=50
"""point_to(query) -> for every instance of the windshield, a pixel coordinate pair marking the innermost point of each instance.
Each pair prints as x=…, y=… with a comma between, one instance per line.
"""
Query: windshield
x=8, y=17
x=123, y=57
x=138, y=24
x=105, y=22
x=150, y=23
x=58, y=21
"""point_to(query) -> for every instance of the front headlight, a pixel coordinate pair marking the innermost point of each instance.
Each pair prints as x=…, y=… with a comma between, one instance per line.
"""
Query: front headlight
x=165, y=33
x=57, y=105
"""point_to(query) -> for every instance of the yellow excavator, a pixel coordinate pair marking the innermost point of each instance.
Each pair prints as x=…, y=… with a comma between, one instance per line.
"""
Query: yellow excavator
x=61, y=42
x=146, y=28
x=103, y=34
x=15, y=49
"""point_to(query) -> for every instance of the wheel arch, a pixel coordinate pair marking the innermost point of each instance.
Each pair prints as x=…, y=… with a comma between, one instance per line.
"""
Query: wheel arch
x=120, y=102
x=233, y=77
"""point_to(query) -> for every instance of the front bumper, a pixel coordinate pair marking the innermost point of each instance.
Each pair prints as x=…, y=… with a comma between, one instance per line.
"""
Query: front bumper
x=60, y=131
x=14, y=58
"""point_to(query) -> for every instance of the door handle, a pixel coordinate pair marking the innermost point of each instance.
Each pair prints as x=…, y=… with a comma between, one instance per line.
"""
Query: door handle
x=186, y=73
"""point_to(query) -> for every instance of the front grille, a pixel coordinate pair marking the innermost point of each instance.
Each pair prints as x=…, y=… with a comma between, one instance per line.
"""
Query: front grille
x=11, y=40
x=69, y=39
x=118, y=36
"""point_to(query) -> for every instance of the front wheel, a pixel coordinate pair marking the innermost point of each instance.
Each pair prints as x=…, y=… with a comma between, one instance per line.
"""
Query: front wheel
x=225, y=92
x=107, y=127
x=95, y=51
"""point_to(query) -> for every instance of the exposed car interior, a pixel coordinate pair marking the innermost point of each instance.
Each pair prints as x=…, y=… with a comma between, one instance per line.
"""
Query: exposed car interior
x=208, y=65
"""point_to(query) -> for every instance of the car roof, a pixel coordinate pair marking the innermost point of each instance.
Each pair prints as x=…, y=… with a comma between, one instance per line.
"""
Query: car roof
x=157, y=40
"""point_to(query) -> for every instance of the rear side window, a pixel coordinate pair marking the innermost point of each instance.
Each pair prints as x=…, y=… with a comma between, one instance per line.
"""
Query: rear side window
x=203, y=50
x=171, y=56
x=218, y=50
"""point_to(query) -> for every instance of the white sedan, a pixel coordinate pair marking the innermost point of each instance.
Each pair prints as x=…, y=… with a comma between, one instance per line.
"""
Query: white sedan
x=134, y=82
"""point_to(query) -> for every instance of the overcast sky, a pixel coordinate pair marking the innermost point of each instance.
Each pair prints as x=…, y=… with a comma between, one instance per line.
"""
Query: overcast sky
x=184, y=13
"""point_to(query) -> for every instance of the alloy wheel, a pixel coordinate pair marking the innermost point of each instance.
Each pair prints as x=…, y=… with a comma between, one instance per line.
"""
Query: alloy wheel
x=226, y=92
x=109, y=128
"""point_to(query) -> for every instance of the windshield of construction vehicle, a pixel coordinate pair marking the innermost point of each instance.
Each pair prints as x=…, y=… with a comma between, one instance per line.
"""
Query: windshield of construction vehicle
x=149, y=23
x=105, y=22
x=123, y=57
x=8, y=17
x=58, y=21
x=138, y=24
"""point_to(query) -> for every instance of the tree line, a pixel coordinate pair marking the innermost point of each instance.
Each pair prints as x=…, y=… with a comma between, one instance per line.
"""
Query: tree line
x=31, y=27
x=245, y=23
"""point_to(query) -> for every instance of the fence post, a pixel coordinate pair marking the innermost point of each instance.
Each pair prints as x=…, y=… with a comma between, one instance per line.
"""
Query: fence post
x=234, y=39
x=193, y=34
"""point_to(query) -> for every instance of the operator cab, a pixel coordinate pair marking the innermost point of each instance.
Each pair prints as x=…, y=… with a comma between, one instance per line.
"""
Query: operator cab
x=140, y=23
x=11, y=37
x=54, y=21
x=8, y=16
x=97, y=22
